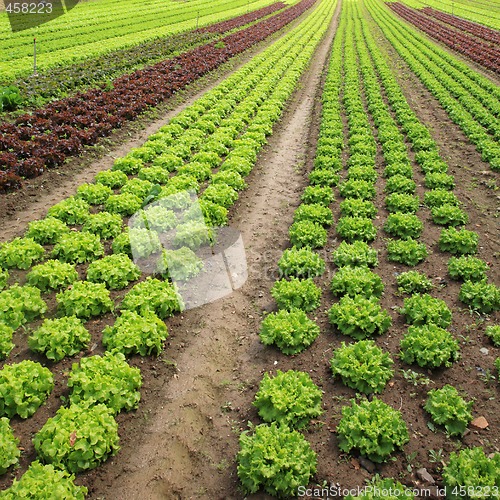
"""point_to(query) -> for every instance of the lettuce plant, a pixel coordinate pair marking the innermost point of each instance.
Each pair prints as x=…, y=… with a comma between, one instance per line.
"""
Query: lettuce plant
x=155, y=174
x=9, y=451
x=467, y=268
x=275, y=459
x=155, y=218
x=323, y=177
x=405, y=203
x=104, y=224
x=439, y=180
x=458, y=241
x=46, y=231
x=356, y=281
x=135, y=333
x=362, y=366
x=60, y=337
x=315, y=212
x=373, y=428
x=409, y=252
x=413, y=282
x=78, y=247
x=24, y=387
x=480, y=296
x=359, y=317
x=307, y=234
x=358, y=253
x=200, y=171
x=20, y=304
x=356, y=229
x=290, y=398
x=6, y=344
x=72, y=211
x=128, y=165
x=124, y=204
x=493, y=332
x=449, y=409
x=179, y=265
x=296, y=294
x=78, y=438
x=4, y=278
x=20, y=253
x=44, y=481
x=429, y=346
x=94, y=194
x=220, y=194
x=403, y=225
x=317, y=194
x=115, y=271
x=439, y=197
x=106, y=379
x=111, y=178
x=193, y=235
x=355, y=207
x=52, y=275
x=403, y=169
x=137, y=242
x=363, y=173
x=84, y=299
x=301, y=263
x=153, y=295
x=290, y=331
x=354, y=188
x=400, y=184
x=424, y=309
x=449, y=215
x=140, y=187
x=471, y=474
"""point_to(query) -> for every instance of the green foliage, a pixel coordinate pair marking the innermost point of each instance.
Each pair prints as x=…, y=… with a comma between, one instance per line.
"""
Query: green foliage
x=6, y=344
x=429, y=346
x=358, y=253
x=137, y=242
x=296, y=294
x=115, y=271
x=402, y=225
x=458, y=241
x=307, y=234
x=9, y=451
x=363, y=173
x=315, y=212
x=356, y=281
x=20, y=304
x=356, y=229
x=193, y=235
x=359, y=317
x=72, y=211
x=403, y=169
x=290, y=398
x=220, y=194
x=491, y=331
x=153, y=295
x=78, y=247
x=52, y=275
x=290, y=331
x=467, y=268
x=275, y=459
x=125, y=204
x=155, y=218
x=470, y=474
x=10, y=98
x=60, y=337
x=354, y=188
x=133, y=333
x=324, y=178
x=413, y=282
x=400, y=184
x=111, y=178
x=373, y=428
x=355, y=207
x=20, y=253
x=379, y=488
x=128, y=165
x=200, y=171
x=4, y=278
x=448, y=408
x=104, y=224
x=24, y=387
x=424, y=309
x=140, y=187
x=318, y=194
x=439, y=180
x=46, y=231
x=440, y=197
x=405, y=203
x=362, y=366
x=94, y=194
x=44, y=481
x=449, y=215
x=77, y=438
x=408, y=252
x=155, y=174
x=106, y=379
x=84, y=300
x=480, y=296
x=301, y=263
x=179, y=265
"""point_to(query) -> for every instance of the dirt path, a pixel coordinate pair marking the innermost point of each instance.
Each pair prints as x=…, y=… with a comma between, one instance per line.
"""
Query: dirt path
x=187, y=449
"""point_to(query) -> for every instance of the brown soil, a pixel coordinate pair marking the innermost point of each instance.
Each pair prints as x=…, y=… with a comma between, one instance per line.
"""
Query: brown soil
x=197, y=395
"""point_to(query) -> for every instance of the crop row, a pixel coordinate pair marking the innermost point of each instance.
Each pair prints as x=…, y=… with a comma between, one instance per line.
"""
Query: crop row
x=488, y=34
x=233, y=119
x=470, y=99
x=288, y=401
x=476, y=50
x=47, y=137
x=58, y=45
